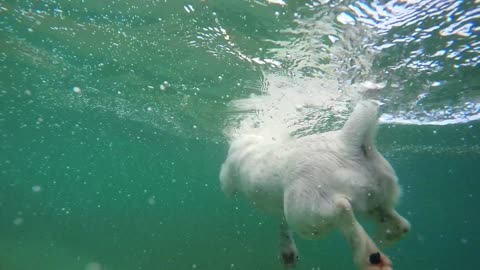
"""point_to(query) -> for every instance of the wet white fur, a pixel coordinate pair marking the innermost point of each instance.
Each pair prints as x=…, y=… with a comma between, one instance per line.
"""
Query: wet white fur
x=318, y=182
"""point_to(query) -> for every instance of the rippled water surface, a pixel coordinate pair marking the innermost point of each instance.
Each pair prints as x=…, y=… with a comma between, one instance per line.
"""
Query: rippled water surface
x=115, y=118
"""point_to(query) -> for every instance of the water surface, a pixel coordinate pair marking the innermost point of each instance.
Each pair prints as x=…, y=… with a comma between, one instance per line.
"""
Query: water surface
x=115, y=118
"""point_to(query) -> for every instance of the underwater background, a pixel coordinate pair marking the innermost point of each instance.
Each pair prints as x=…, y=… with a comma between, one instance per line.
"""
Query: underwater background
x=115, y=118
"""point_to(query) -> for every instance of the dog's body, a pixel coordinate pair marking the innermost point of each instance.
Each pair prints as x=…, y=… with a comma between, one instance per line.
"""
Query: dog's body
x=317, y=183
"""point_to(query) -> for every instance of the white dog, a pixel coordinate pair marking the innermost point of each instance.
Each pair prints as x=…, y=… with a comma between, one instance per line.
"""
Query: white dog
x=317, y=183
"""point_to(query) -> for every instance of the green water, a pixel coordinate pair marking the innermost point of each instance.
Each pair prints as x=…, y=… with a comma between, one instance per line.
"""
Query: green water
x=114, y=114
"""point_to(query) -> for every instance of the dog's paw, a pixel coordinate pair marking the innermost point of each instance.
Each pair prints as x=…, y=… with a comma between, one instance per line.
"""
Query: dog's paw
x=378, y=261
x=289, y=258
x=392, y=232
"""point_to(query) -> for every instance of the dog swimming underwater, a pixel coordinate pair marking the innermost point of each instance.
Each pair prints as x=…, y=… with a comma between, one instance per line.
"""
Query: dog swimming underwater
x=319, y=183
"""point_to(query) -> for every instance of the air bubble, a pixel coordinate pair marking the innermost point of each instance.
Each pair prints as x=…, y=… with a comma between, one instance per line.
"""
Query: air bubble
x=18, y=221
x=93, y=266
x=152, y=200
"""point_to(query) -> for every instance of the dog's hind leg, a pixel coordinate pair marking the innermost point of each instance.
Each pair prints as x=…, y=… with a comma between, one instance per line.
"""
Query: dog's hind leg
x=288, y=248
x=366, y=254
x=313, y=213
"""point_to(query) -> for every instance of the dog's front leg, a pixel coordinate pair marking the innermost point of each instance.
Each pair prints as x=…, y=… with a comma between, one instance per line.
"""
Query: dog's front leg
x=288, y=248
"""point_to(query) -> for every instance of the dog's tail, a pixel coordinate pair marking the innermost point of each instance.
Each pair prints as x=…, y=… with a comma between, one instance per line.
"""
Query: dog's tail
x=361, y=127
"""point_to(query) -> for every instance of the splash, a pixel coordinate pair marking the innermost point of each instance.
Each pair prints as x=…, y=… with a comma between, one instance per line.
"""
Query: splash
x=333, y=58
x=318, y=89
x=291, y=107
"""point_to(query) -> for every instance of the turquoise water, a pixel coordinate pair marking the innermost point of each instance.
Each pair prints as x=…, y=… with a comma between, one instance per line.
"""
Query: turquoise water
x=115, y=118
